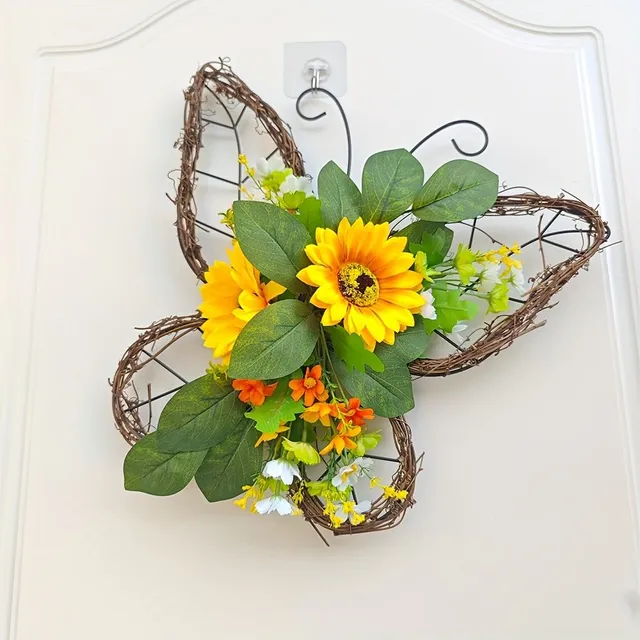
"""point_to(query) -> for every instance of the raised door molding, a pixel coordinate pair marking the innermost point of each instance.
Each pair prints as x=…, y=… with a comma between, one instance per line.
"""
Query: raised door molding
x=54, y=53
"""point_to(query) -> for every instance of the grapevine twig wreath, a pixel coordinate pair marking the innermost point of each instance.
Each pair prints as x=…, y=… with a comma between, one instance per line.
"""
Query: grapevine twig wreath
x=325, y=310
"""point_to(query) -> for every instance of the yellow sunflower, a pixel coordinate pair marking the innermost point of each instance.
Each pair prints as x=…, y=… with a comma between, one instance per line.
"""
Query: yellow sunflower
x=364, y=279
x=232, y=295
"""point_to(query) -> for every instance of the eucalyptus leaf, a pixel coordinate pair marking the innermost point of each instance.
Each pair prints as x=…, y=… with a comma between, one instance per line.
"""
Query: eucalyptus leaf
x=149, y=470
x=390, y=181
x=310, y=214
x=230, y=465
x=389, y=393
x=339, y=195
x=199, y=416
x=413, y=232
x=273, y=241
x=435, y=240
x=275, y=342
x=412, y=342
x=436, y=244
x=457, y=191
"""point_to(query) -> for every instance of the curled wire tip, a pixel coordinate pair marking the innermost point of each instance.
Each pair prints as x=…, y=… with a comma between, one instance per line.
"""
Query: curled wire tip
x=315, y=90
x=305, y=93
x=456, y=146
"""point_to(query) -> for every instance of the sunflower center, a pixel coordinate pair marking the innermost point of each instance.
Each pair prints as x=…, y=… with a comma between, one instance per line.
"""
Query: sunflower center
x=358, y=285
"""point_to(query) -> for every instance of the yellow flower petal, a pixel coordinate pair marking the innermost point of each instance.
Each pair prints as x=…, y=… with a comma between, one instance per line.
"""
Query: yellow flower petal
x=402, y=298
x=398, y=265
x=356, y=319
x=406, y=280
x=315, y=275
x=329, y=293
x=338, y=310
x=272, y=290
x=373, y=324
x=251, y=302
x=387, y=314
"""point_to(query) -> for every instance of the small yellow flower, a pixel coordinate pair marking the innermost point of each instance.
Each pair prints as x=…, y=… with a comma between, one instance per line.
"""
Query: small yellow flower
x=357, y=518
x=247, y=193
x=297, y=497
x=388, y=492
x=349, y=506
x=335, y=521
x=242, y=159
x=391, y=492
x=329, y=509
x=251, y=172
x=375, y=482
x=242, y=502
x=511, y=263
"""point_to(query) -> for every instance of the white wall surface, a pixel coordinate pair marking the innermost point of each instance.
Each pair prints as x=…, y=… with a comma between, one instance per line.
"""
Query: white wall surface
x=526, y=523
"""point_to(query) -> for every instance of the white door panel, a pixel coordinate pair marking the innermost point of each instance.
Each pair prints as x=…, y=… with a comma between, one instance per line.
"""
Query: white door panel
x=526, y=523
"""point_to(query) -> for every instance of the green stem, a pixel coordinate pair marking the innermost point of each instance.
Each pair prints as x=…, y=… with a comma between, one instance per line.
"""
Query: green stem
x=329, y=363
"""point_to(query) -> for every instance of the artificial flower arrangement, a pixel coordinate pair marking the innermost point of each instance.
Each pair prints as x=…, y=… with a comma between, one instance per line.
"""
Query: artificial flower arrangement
x=312, y=321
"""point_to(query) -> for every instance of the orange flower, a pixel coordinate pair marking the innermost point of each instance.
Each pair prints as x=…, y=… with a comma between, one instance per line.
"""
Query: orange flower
x=322, y=411
x=254, y=391
x=311, y=387
x=353, y=413
x=342, y=440
x=265, y=437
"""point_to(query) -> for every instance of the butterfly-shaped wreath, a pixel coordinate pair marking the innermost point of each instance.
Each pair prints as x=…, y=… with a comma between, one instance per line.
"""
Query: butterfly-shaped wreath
x=326, y=306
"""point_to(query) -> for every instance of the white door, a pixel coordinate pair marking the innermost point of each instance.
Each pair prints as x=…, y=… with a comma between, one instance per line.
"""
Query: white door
x=526, y=524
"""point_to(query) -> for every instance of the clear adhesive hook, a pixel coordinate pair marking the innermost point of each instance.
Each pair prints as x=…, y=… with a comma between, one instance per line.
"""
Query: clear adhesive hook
x=319, y=70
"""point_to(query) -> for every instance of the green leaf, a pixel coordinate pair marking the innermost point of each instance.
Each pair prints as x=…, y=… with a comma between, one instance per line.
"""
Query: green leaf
x=339, y=195
x=273, y=241
x=301, y=451
x=464, y=262
x=414, y=231
x=349, y=347
x=278, y=407
x=199, y=416
x=450, y=309
x=412, y=342
x=435, y=244
x=458, y=190
x=499, y=298
x=230, y=465
x=310, y=214
x=275, y=342
x=389, y=393
x=293, y=200
x=149, y=470
x=390, y=181
x=297, y=430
